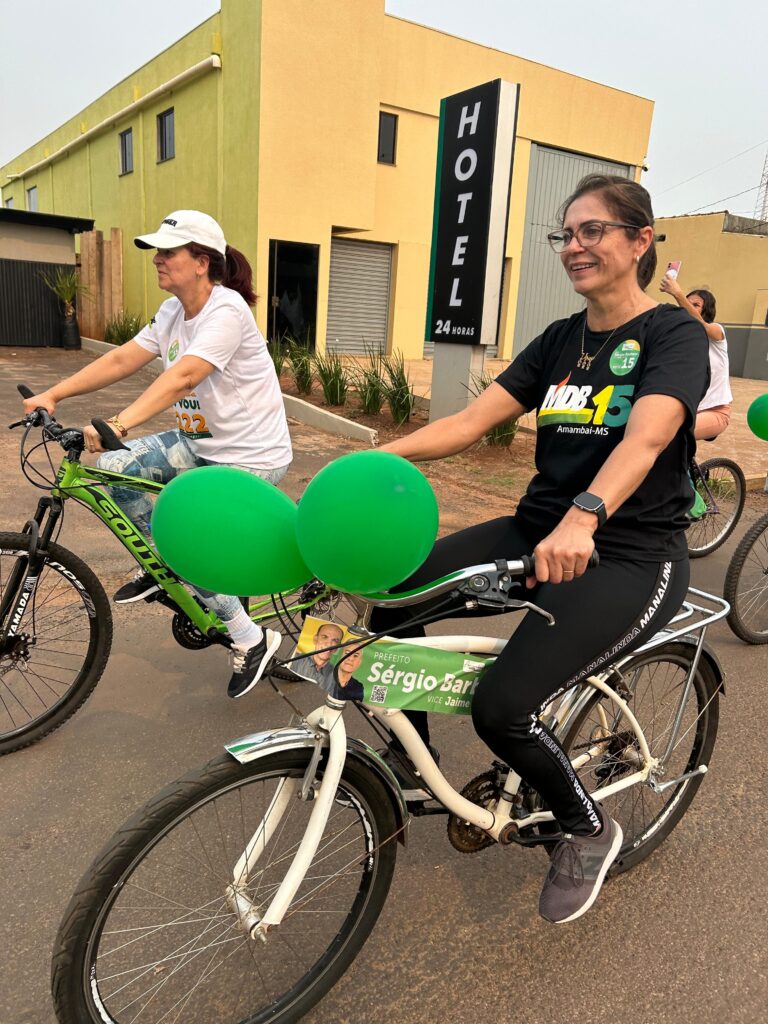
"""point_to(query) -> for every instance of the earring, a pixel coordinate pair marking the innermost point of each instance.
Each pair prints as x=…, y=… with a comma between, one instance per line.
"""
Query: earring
x=637, y=259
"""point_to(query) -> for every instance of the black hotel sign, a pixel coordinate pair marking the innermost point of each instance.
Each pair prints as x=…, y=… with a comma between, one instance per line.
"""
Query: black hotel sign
x=469, y=231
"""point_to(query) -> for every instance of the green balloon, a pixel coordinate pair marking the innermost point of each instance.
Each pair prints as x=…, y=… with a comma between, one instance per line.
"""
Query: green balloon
x=757, y=417
x=366, y=522
x=225, y=530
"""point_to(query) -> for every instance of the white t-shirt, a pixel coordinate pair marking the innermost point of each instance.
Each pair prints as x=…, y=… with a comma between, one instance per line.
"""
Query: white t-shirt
x=719, y=391
x=236, y=415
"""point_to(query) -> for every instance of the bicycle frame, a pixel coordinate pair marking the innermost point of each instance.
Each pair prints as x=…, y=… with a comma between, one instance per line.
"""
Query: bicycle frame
x=84, y=484
x=324, y=727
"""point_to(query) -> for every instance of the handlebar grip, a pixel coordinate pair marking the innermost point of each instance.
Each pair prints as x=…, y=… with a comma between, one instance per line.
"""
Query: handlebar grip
x=529, y=563
x=24, y=391
x=109, y=438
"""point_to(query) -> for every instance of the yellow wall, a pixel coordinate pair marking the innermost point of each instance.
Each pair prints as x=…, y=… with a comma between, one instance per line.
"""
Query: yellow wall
x=732, y=265
x=281, y=143
x=319, y=124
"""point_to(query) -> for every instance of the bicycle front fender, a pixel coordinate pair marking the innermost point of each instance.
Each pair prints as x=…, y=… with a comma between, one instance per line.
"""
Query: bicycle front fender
x=295, y=737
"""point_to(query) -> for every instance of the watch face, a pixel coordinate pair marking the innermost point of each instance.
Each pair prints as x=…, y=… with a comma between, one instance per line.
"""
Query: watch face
x=589, y=502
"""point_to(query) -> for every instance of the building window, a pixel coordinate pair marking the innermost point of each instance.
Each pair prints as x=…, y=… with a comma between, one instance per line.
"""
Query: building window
x=9, y=203
x=166, y=142
x=126, y=151
x=387, y=137
x=32, y=199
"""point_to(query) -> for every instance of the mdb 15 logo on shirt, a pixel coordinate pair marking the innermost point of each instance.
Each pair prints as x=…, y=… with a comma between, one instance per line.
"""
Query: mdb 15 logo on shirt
x=569, y=403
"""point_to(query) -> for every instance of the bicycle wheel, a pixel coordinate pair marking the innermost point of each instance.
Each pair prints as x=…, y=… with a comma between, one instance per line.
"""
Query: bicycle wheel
x=654, y=683
x=60, y=649
x=746, y=585
x=722, y=485
x=149, y=934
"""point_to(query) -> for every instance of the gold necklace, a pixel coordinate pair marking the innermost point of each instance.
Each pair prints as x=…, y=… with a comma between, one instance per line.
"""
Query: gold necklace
x=585, y=360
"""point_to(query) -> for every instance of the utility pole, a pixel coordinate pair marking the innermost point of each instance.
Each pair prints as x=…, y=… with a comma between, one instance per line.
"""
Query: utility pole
x=761, y=206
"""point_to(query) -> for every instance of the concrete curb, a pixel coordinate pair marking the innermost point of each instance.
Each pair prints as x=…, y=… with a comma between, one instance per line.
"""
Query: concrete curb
x=331, y=422
x=304, y=412
x=757, y=482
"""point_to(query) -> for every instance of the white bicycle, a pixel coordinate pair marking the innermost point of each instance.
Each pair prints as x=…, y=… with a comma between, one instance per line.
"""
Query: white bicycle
x=242, y=892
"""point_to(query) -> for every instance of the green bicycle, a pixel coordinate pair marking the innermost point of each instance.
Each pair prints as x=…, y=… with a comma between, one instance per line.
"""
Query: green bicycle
x=55, y=617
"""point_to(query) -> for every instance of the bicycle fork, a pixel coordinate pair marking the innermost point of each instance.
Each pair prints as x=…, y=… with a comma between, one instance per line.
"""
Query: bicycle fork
x=23, y=578
x=328, y=722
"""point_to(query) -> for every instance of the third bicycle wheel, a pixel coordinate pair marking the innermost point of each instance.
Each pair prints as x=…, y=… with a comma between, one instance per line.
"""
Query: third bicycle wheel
x=721, y=484
x=746, y=585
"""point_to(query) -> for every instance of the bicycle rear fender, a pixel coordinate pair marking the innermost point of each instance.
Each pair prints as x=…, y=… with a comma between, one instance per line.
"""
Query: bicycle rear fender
x=260, y=744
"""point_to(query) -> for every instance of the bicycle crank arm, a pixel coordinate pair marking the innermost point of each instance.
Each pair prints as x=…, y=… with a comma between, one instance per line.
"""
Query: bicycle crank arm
x=659, y=787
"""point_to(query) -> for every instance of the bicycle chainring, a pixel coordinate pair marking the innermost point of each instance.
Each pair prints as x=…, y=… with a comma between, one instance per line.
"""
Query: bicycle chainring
x=467, y=838
x=186, y=633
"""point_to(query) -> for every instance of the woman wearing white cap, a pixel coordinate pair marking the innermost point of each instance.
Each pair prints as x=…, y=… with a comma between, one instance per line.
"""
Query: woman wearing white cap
x=220, y=381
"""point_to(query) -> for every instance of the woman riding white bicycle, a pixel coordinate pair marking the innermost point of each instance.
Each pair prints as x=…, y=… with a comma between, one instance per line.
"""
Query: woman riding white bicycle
x=221, y=382
x=616, y=390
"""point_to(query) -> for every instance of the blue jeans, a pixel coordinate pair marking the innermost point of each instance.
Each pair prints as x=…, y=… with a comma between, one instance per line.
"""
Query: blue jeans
x=161, y=457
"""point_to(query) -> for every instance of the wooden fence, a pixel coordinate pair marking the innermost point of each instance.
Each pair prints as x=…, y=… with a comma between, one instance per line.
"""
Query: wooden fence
x=101, y=273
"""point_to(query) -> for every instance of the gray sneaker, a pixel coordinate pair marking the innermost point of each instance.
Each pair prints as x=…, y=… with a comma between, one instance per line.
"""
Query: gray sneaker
x=579, y=866
x=249, y=663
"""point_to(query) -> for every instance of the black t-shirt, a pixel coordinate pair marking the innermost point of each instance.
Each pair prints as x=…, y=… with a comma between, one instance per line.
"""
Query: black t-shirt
x=582, y=416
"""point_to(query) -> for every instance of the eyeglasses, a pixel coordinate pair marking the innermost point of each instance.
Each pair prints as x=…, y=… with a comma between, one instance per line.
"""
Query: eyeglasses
x=588, y=234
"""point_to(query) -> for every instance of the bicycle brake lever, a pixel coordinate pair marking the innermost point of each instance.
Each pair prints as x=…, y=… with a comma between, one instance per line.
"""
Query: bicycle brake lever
x=12, y=426
x=514, y=603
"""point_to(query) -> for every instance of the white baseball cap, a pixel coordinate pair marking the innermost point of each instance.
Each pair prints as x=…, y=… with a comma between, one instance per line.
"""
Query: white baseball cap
x=185, y=226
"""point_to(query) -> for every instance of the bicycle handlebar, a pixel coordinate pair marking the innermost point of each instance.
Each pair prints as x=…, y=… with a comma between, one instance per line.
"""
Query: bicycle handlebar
x=484, y=583
x=109, y=439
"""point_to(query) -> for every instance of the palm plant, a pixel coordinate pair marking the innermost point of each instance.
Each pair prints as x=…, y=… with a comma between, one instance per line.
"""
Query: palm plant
x=368, y=380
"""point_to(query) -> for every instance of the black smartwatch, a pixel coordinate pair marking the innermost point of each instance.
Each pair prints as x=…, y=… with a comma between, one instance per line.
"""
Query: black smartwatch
x=591, y=503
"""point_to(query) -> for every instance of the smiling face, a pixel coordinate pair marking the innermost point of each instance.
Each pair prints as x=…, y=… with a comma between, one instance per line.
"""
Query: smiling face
x=611, y=264
x=178, y=271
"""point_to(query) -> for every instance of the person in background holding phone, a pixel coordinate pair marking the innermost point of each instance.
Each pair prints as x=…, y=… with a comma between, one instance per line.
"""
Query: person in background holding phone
x=714, y=412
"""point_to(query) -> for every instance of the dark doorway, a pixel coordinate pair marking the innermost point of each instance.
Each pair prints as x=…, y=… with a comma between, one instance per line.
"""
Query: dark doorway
x=293, y=291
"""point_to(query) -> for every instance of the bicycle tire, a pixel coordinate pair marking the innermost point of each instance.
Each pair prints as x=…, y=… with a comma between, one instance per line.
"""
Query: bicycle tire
x=646, y=817
x=746, y=585
x=143, y=866
x=39, y=691
x=713, y=528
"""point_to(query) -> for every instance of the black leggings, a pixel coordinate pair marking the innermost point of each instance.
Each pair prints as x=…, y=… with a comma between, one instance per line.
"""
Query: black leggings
x=599, y=617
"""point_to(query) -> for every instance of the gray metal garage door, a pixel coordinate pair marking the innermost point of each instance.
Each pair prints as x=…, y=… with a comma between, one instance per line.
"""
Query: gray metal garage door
x=358, y=296
x=545, y=291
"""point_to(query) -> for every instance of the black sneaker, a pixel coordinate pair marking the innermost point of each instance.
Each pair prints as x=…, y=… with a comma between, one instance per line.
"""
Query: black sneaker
x=577, y=871
x=249, y=663
x=406, y=774
x=139, y=588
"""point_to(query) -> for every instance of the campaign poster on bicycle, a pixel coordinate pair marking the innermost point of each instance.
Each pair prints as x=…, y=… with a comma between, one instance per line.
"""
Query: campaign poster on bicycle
x=386, y=673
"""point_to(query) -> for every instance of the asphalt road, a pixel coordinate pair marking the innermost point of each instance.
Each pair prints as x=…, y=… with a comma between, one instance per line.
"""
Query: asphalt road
x=681, y=938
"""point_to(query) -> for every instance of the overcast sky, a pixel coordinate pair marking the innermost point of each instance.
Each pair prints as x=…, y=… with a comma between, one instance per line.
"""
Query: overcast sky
x=703, y=62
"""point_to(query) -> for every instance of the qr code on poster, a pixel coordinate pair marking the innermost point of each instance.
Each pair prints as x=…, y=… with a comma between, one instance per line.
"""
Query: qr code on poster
x=378, y=694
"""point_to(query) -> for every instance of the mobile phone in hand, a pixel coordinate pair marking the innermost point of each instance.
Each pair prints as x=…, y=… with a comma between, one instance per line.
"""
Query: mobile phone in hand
x=673, y=269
